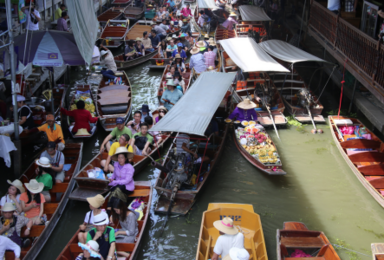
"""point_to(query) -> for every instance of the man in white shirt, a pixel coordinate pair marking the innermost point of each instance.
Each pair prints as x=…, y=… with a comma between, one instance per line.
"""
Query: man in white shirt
x=8, y=244
x=109, y=62
x=229, y=237
x=33, y=18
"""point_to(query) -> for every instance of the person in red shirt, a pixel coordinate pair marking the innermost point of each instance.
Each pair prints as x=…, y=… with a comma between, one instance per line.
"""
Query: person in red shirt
x=82, y=117
x=186, y=11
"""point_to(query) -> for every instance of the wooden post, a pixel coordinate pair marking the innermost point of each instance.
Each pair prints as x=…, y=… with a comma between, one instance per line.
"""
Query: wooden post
x=353, y=96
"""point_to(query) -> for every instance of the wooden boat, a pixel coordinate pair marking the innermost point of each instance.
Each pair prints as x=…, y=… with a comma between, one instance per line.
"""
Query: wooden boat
x=143, y=190
x=59, y=194
x=364, y=156
x=110, y=14
x=186, y=196
x=114, y=101
x=121, y=3
x=243, y=28
x=134, y=13
x=114, y=32
x=186, y=77
x=377, y=251
x=296, y=236
x=291, y=86
x=88, y=187
x=244, y=217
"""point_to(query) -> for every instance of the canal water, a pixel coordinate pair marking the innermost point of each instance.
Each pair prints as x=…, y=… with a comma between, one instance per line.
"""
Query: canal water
x=319, y=190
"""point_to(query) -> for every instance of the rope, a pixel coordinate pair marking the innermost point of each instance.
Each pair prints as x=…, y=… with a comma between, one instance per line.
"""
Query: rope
x=342, y=87
x=357, y=252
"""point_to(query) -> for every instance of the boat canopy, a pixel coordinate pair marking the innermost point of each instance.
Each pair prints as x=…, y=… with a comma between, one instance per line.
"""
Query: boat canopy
x=253, y=13
x=250, y=57
x=205, y=4
x=287, y=52
x=193, y=112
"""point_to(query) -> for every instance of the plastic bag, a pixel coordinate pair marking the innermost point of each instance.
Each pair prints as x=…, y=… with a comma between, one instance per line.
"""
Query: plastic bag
x=96, y=173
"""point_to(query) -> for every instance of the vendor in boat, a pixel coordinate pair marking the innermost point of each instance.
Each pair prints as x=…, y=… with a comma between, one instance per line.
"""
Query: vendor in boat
x=245, y=110
x=170, y=95
x=231, y=21
x=197, y=61
x=186, y=11
x=115, y=134
x=229, y=237
x=56, y=159
x=162, y=111
x=179, y=51
x=142, y=140
x=11, y=225
x=134, y=125
x=145, y=111
x=108, y=61
x=124, y=141
x=155, y=39
x=147, y=43
x=24, y=113
x=170, y=48
x=130, y=51
x=82, y=117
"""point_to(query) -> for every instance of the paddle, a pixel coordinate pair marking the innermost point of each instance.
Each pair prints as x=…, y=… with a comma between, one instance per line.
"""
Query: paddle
x=166, y=100
x=310, y=114
x=270, y=113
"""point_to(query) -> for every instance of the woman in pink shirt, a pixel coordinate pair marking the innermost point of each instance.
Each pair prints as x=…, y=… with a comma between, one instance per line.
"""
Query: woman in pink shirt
x=186, y=11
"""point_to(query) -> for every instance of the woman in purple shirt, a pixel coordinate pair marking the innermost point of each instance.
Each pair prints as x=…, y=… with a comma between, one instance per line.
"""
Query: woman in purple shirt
x=245, y=110
x=162, y=111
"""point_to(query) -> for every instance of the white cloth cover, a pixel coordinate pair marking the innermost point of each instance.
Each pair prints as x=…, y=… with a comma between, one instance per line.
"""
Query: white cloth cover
x=253, y=13
x=287, y=52
x=205, y=4
x=84, y=26
x=9, y=129
x=193, y=112
x=249, y=56
x=6, y=146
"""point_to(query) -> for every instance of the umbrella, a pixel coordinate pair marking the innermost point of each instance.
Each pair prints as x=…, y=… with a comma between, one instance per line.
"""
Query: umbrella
x=48, y=49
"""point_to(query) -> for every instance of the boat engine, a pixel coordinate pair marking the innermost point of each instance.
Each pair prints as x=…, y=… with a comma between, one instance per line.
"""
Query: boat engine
x=305, y=99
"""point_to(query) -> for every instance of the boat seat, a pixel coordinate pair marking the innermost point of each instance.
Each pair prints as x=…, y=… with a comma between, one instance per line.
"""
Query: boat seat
x=302, y=242
x=35, y=231
x=119, y=73
x=140, y=193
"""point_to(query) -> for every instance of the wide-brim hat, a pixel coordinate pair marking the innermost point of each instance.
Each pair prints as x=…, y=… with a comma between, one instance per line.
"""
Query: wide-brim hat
x=177, y=56
x=169, y=38
x=138, y=39
x=121, y=150
x=44, y=162
x=96, y=201
x=162, y=107
x=34, y=186
x=246, y=104
x=212, y=42
x=200, y=44
x=170, y=82
x=206, y=36
x=195, y=50
x=92, y=247
x=8, y=207
x=17, y=184
x=232, y=14
x=82, y=131
x=101, y=219
x=226, y=226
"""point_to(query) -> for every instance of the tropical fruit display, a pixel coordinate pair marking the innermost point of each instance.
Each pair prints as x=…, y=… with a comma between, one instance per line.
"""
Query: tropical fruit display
x=86, y=97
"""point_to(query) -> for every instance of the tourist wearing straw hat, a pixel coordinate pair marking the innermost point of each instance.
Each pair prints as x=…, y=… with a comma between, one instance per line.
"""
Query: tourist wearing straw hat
x=202, y=47
x=95, y=204
x=171, y=95
x=230, y=22
x=229, y=237
x=245, y=110
x=197, y=61
x=13, y=194
x=32, y=202
x=178, y=62
x=124, y=141
x=236, y=253
x=11, y=224
x=162, y=111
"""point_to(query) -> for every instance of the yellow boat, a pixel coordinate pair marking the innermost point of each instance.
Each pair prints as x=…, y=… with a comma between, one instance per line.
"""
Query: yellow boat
x=244, y=217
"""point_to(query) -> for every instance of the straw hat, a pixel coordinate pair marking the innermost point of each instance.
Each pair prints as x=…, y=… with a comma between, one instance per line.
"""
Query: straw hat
x=206, y=36
x=138, y=39
x=236, y=253
x=82, y=131
x=226, y=226
x=121, y=150
x=34, y=186
x=162, y=108
x=177, y=56
x=195, y=50
x=212, y=42
x=17, y=184
x=233, y=14
x=210, y=68
x=92, y=247
x=96, y=201
x=169, y=38
x=8, y=207
x=246, y=104
x=200, y=44
x=170, y=82
x=44, y=162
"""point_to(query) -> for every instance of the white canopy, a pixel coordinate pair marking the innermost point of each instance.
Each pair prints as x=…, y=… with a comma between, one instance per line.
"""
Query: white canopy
x=249, y=56
x=205, y=4
x=193, y=112
x=253, y=13
x=287, y=52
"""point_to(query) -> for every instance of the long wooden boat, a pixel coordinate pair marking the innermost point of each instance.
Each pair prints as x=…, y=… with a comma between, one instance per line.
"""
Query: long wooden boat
x=186, y=77
x=114, y=32
x=88, y=187
x=134, y=13
x=377, y=251
x=110, y=14
x=291, y=86
x=143, y=190
x=244, y=218
x=364, y=156
x=296, y=236
x=186, y=195
x=54, y=209
x=114, y=101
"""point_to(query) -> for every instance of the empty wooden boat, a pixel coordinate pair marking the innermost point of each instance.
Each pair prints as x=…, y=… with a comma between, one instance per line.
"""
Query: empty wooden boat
x=114, y=101
x=114, y=33
x=54, y=209
x=244, y=218
x=134, y=13
x=295, y=241
x=377, y=251
x=363, y=152
x=110, y=14
x=143, y=190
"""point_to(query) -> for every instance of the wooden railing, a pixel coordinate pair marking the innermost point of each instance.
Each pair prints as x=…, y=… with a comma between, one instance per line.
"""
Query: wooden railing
x=358, y=47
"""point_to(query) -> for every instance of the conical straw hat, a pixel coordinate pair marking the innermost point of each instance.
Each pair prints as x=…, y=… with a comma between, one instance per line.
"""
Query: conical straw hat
x=246, y=104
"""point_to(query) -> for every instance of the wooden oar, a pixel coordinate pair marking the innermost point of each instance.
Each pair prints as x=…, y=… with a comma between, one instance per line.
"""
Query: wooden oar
x=273, y=122
x=310, y=114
